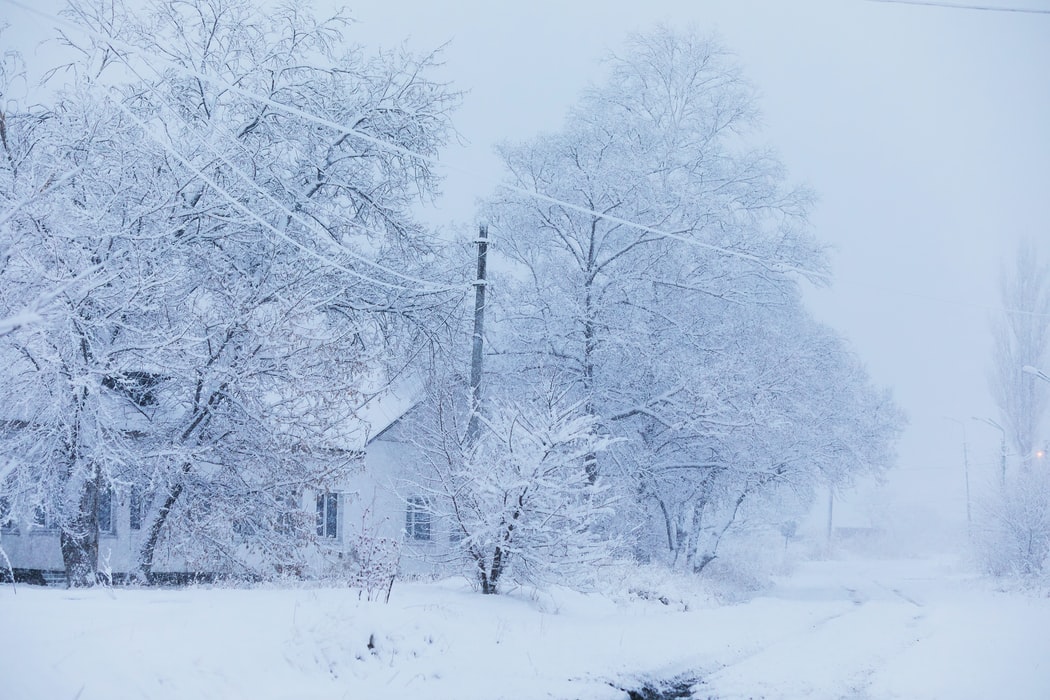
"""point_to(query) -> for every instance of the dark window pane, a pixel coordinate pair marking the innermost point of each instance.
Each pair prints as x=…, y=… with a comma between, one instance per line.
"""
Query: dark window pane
x=138, y=386
x=320, y=515
x=6, y=521
x=244, y=527
x=327, y=514
x=332, y=515
x=136, y=506
x=417, y=519
x=105, y=511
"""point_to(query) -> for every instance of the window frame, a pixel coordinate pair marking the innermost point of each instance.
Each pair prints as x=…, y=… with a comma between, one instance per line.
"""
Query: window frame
x=419, y=522
x=106, y=496
x=8, y=522
x=136, y=508
x=43, y=521
x=328, y=515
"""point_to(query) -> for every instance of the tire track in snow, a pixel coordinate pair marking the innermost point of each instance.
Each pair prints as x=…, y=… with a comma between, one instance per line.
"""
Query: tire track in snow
x=836, y=657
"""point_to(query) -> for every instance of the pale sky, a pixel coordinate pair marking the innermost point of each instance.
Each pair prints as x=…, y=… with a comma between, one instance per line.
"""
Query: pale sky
x=924, y=131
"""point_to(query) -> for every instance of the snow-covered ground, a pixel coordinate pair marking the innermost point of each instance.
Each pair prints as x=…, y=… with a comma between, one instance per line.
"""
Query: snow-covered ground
x=910, y=629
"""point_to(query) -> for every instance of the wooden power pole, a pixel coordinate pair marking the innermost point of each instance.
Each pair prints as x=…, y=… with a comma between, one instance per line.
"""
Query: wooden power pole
x=479, y=335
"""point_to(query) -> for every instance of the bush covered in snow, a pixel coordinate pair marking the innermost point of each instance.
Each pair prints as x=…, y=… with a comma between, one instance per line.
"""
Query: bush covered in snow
x=1012, y=533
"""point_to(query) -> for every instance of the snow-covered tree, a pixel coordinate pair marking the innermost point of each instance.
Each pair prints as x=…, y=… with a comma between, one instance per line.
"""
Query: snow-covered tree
x=658, y=145
x=1022, y=337
x=85, y=245
x=518, y=499
x=1013, y=532
x=654, y=259
x=767, y=402
x=247, y=269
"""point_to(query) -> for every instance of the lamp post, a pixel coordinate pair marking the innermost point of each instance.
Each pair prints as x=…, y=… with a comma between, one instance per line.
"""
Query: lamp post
x=966, y=472
x=1002, y=446
x=1040, y=454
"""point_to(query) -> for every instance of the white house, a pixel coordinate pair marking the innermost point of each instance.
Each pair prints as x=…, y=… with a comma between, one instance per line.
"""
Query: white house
x=375, y=502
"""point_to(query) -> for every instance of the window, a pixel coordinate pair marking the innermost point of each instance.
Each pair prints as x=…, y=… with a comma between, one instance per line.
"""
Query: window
x=42, y=519
x=290, y=518
x=245, y=526
x=137, y=508
x=7, y=521
x=106, y=521
x=417, y=519
x=455, y=534
x=328, y=515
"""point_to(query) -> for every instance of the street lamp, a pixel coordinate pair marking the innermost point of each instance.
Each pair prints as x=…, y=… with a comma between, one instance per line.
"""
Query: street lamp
x=966, y=472
x=1040, y=454
x=1002, y=446
x=1037, y=372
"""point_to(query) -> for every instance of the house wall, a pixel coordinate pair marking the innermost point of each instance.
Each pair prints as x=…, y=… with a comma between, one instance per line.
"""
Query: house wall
x=30, y=546
x=372, y=503
x=376, y=500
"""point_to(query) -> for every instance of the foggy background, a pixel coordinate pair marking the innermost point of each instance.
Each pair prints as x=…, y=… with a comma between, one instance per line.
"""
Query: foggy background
x=922, y=130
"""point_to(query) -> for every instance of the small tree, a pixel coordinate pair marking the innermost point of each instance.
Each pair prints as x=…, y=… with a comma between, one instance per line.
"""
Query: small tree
x=1013, y=536
x=519, y=500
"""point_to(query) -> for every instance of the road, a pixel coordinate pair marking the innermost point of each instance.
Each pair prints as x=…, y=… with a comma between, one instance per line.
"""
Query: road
x=894, y=629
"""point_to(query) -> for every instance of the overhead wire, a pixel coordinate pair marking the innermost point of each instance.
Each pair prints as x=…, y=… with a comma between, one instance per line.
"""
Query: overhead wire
x=772, y=264
x=964, y=6
x=401, y=150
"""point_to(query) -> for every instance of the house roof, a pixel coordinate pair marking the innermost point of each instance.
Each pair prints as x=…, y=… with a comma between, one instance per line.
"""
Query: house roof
x=385, y=409
x=377, y=412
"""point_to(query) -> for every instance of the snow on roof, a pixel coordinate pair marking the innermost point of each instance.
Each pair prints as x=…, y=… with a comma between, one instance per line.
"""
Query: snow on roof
x=379, y=410
x=384, y=409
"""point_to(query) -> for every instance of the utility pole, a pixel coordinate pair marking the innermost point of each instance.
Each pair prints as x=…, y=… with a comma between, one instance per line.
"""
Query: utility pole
x=473, y=424
x=966, y=471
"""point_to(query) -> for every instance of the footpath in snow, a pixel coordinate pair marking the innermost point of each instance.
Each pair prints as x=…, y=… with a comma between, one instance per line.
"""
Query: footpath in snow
x=868, y=630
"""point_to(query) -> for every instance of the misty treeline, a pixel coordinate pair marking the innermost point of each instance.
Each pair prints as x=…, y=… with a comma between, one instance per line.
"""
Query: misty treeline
x=1012, y=528
x=209, y=262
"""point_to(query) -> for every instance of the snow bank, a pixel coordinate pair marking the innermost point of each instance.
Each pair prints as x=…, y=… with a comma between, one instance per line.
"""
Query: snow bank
x=833, y=630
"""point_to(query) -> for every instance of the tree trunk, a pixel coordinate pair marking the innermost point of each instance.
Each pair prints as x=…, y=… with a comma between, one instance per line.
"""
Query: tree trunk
x=590, y=343
x=149, y=547
x=713, y=537
x=490, y=582
x=79, y=538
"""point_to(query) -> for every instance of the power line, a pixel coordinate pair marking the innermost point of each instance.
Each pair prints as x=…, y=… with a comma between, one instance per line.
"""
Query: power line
x=771, y=264
x=343, y=129
x=961, y=6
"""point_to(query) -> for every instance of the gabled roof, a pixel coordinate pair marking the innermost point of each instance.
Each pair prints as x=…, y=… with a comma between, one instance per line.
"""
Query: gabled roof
x=383, y=410
x=378, y=411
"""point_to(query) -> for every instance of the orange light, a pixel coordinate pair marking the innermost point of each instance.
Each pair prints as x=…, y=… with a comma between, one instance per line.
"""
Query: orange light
x=1039, y=454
